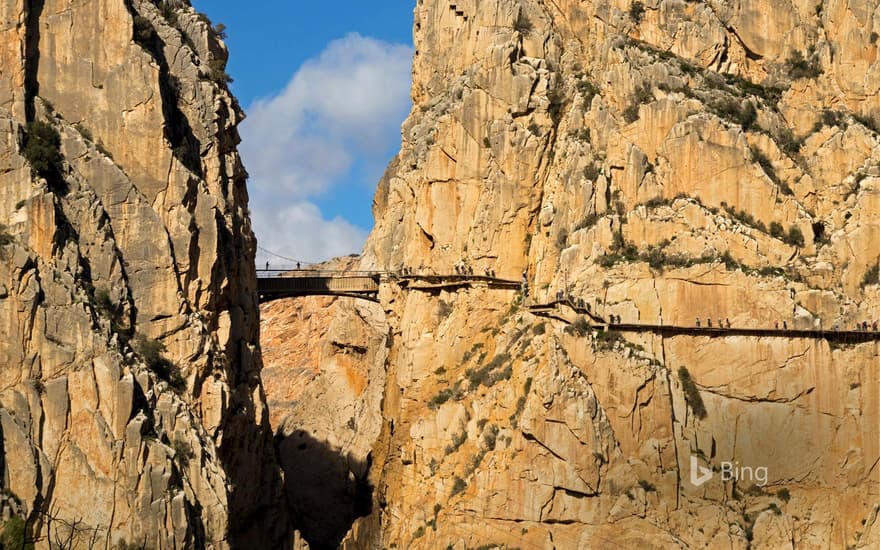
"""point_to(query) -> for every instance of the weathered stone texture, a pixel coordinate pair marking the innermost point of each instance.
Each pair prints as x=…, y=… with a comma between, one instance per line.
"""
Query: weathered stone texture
x=541, y=134
x=146, y=239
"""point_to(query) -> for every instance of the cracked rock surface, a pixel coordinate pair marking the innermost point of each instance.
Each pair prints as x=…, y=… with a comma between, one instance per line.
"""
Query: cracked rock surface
x=130, y=399
x=681, y=164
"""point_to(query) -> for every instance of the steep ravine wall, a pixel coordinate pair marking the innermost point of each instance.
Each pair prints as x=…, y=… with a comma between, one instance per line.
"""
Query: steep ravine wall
x=709, y=159
x=130, y=399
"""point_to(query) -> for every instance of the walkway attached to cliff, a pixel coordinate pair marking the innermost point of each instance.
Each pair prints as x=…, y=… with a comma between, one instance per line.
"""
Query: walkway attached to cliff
x=273, y=284
x=557, y=310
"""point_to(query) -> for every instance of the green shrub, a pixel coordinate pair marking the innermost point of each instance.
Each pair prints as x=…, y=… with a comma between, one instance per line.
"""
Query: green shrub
x=104, y=303
x=5, y=237
x=42, y=149
x=561, y=239
x=799, y=66
x=220, y=31
x=647, y=486
x=489, y=374
x=458, y=486
x=151, y=352
x=442, y=397
x=605, y=340
x=587, y=90
x=631, y=113
x=580, y=327
x=872, y=276
x=795, y=236
x=523, y=24
x=868, y=123
x=457, y=441
x=591, y=172
x=217, y=72
x=168, y=12
x=144, y=33
x=15, y=535
x=784, y=494
x=84, y=131
x=691, y=393
x=636, y=12
x=444, y=309
x=776, y=230
x=182, y=451
x=539, y=329
x=643, y=94
x=587, y=221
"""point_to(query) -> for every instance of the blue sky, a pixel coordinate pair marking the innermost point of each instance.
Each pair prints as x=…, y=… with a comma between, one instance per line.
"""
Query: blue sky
x=325, y=86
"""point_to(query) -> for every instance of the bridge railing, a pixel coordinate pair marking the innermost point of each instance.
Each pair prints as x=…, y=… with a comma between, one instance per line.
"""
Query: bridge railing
x=315, y=273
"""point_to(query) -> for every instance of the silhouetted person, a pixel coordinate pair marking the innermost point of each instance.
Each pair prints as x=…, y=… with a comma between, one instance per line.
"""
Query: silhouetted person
x=297, y=265
x=728, y=322
x=776, y=324
x=709, y=322
x=784, y=325
x=875, y=326
x=267, y=266
x=698, y=322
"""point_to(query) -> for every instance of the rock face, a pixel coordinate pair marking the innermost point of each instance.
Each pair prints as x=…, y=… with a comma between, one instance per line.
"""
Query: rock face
x=665, y=161
x=131, y=405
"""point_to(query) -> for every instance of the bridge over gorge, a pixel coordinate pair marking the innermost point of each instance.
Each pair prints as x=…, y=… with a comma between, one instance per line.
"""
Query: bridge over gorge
x=275, y=284
x=365, y=285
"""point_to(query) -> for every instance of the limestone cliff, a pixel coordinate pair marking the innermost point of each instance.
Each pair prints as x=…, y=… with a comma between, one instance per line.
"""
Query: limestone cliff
x=130, y=401
x=666, y=161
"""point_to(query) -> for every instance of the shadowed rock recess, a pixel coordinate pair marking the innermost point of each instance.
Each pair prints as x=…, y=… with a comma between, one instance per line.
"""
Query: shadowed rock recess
x=131, y=406
x=668, y=160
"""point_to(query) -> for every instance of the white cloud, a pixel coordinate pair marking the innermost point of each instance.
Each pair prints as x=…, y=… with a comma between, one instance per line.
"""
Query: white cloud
x=299, y=231
x=345, y=105
x=340, y=112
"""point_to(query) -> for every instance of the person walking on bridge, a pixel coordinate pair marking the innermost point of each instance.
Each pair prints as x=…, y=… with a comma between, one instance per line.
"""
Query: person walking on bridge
x=698, y=322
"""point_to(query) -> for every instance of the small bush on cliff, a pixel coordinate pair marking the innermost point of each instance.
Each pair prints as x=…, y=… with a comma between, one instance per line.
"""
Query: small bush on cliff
x=442, y=397
x=144, y=33
x=151, y=352
x=580, y=327
x=182, y=451
x=776, y=230
x=14, y=535
x=169, y=12
x=637, y=12
x=799, y=66
x=872, y=276
x=795, y=236
x=523, y=24
x=588, y=91
x=458, y=486
x=217, y=72
x=5, y=237
x=691, y=393
x=42, y=149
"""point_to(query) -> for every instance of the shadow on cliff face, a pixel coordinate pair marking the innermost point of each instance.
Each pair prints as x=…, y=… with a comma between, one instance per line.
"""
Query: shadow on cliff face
x=326, y=491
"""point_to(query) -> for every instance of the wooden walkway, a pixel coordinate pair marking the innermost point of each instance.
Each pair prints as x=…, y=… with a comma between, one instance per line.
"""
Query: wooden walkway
x=554, y=311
